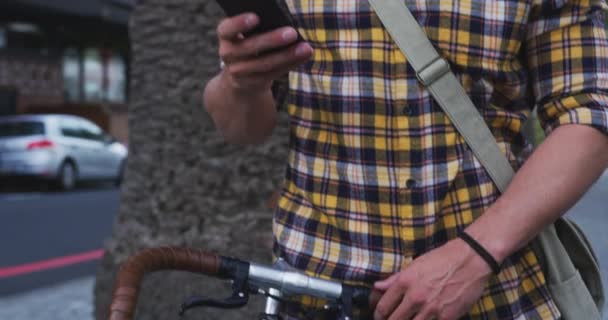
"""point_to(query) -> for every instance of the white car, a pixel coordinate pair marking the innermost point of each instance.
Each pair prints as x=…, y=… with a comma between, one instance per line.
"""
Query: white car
x=61, y=148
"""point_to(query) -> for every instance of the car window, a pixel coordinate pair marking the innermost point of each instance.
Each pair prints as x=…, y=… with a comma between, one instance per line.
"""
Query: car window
x=91, y=131
x=71, y=128
x=19, y=129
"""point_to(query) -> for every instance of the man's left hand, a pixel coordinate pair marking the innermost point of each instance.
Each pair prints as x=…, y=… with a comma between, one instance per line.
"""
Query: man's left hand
x=443, y=284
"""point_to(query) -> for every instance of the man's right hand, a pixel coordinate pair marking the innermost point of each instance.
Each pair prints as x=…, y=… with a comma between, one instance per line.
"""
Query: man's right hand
x=249, y=67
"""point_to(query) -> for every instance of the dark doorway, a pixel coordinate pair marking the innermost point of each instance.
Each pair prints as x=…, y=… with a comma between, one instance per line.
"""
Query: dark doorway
x=8, y=101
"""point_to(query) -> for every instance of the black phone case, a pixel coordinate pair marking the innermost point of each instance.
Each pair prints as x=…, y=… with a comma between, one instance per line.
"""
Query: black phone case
x=272, y=16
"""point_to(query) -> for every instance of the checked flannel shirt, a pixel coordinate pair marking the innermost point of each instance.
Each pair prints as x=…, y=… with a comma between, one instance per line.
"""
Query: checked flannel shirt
x=377, y=175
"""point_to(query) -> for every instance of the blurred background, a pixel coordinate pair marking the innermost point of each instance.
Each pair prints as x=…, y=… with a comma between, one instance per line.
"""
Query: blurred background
x=82, y=82
x=59, y=175
x=66, y=56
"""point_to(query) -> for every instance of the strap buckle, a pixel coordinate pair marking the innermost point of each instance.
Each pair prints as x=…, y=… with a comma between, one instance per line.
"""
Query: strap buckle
x=433, y=71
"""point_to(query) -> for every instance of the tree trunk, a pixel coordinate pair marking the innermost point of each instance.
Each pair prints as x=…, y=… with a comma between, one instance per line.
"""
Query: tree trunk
x=184, y=186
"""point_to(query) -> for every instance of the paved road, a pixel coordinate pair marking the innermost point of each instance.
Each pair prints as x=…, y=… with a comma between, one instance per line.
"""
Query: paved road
x=38, y=226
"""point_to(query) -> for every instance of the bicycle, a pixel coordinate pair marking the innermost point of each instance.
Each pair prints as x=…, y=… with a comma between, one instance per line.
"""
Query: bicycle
x=276, y=283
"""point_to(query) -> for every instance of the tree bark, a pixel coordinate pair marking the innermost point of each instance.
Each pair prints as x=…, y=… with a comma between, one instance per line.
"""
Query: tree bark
x=184, y=185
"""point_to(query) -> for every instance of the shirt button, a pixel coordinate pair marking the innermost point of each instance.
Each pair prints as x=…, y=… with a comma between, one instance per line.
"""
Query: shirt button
x=407, y=111
x=411, y=183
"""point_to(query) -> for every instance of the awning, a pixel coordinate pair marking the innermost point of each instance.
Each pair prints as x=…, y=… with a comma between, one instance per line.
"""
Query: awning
x=112, y=11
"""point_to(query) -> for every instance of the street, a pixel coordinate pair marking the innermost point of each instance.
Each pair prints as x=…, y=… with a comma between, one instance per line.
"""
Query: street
x=43, y=226
x=49, y=238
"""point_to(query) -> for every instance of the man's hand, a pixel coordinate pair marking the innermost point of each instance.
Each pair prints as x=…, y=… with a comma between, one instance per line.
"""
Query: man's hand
x=239, y=99
x=440, y=285
x=248, y=64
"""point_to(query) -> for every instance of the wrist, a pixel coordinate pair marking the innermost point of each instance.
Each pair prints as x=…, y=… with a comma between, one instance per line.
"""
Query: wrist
x=221, y=96
x=481, y=252
x=492, y=242
x=471, y=259
x=243, y=118
x=241, y=90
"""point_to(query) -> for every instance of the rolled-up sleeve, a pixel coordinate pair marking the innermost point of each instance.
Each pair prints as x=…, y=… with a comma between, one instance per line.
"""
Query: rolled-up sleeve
x=567, y=53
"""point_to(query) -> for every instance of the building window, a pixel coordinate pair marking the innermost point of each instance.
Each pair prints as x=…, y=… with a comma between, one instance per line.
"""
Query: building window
x=71, y=75
x=117, y=80
x=93, y=76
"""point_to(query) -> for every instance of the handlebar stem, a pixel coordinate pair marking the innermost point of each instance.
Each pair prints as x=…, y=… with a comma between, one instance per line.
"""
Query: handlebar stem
x=293, y=283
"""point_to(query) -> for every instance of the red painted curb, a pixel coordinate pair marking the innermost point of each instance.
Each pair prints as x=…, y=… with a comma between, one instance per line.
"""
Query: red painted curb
x=51, y=263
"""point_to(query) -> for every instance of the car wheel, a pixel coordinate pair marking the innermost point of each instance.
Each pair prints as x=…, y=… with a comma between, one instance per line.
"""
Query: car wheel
x=66, y=180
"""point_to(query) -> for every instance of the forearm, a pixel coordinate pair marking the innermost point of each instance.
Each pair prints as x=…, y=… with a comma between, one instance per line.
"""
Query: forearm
x=242, y=116
x=554, y=178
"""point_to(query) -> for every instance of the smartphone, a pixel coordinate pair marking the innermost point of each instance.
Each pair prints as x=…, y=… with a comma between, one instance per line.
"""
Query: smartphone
x=271, y=15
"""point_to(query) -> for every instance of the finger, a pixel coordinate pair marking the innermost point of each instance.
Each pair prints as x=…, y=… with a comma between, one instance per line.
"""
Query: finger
x=386, y=283
x=256, y=44
x=278, y=62
x=427, y=313
x=374, y=298
x=406, y=310
x=230, y=28
x=389, y=301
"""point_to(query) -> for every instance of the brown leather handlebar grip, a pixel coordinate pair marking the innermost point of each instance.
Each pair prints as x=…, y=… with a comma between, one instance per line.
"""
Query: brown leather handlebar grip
x=131, y=273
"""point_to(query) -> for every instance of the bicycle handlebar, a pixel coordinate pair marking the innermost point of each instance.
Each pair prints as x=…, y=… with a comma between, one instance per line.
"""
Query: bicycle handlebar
x=131, y=274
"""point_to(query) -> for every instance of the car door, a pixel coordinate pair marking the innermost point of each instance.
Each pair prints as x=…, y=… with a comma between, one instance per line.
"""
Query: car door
x=102, y=162
x=75, y=146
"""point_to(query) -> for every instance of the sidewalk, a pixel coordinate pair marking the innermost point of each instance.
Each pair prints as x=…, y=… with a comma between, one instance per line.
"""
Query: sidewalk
x=71, y=300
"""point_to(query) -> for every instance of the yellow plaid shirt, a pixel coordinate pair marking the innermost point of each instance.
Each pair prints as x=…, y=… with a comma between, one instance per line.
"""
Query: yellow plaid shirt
x=377, y=175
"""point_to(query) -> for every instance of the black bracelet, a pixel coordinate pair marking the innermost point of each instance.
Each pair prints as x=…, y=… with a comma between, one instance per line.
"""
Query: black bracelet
x=481, y=251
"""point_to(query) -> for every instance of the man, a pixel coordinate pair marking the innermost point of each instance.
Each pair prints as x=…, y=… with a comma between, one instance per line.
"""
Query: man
x=378, y=180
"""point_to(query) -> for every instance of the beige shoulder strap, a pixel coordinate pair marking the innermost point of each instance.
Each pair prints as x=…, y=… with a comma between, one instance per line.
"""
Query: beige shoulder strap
x=434, y=73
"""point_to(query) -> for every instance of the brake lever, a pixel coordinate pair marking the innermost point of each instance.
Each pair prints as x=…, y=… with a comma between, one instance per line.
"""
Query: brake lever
x=238, y=299
x=233, y=302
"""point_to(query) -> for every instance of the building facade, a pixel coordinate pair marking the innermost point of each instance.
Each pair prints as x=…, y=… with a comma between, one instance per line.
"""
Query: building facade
x=66, y=56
